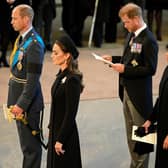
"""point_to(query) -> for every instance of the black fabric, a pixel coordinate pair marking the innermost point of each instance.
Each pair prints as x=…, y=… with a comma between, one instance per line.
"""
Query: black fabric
x=69, y=45
x=20, y=39
x=140, y=131
x=143, y=148
x=132, y=35
x=34, y=68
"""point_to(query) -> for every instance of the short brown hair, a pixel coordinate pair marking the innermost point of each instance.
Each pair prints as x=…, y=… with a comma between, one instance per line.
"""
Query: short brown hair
x=25, y=10
x=131, y=10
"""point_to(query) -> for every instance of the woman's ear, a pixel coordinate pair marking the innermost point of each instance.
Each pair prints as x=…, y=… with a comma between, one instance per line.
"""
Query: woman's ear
x=68, y=55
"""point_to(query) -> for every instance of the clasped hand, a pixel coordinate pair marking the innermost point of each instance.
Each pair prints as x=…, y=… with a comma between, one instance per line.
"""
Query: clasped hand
x=58, y=148
x=17, y=111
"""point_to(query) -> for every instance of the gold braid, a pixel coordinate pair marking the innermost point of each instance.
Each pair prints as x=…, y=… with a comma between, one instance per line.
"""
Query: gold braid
x=14, y=51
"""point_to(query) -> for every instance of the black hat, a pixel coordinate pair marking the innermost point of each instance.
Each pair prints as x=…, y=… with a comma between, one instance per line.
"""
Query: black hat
x=67, y=42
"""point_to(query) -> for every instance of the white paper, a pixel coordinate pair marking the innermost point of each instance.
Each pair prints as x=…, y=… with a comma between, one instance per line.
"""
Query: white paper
x=101, y=59
x=150, y=138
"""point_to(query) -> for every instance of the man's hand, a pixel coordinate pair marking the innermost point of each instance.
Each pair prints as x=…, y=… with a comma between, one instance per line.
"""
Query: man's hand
x=107, y=57
x=17, y=111
x=118, y=67
x=146, y=125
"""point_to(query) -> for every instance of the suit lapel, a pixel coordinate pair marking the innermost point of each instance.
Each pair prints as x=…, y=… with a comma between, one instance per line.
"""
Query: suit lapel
x=127, y=52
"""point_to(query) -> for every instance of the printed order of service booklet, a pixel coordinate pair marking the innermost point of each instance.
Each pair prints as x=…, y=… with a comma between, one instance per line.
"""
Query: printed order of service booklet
x=101, y=59
x=149, y=138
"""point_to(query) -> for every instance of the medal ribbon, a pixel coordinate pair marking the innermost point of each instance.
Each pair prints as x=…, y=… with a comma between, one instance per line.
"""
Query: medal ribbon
x=18, y=50
x=39, y=39
x=14, y=51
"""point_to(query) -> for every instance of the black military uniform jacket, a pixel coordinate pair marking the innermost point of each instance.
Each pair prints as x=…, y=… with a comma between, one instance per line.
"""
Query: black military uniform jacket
x=140, y=62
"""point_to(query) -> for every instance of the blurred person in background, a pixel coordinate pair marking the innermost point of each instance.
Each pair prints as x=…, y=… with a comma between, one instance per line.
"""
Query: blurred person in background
x=45, y=12
x=7, y=34
x=110, y=31
x=154, y=15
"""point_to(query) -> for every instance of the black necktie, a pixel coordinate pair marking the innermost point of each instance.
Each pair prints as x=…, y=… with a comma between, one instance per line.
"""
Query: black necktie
x=132, y=36
x=20, y=39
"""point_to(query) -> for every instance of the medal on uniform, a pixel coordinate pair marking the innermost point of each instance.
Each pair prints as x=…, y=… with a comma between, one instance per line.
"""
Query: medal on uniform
x=134, y=63
x=136, y=48
x=20, y=57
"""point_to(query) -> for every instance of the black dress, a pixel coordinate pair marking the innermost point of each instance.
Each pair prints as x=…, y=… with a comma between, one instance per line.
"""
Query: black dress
x=62, y=126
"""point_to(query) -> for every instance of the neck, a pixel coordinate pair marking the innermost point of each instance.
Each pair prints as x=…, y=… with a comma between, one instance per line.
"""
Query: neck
x=25, y=29
x=141, y=24
x=63, y=67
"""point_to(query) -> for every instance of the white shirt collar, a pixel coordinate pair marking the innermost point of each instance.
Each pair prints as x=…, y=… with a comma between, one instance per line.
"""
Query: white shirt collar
x=137, y=32
x=26, y=32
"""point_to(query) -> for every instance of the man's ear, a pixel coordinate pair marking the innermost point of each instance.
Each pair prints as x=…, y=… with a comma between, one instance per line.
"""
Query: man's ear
x=26, y=19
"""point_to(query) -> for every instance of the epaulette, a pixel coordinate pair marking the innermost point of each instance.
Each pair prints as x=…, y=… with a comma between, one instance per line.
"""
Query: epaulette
x=36, y=38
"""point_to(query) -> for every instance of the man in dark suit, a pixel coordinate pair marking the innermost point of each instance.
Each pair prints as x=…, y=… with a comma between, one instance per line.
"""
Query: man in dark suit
x=7, y=34
x=49, y=13
x=136, y=68
x=25, y=94
x=45, y=12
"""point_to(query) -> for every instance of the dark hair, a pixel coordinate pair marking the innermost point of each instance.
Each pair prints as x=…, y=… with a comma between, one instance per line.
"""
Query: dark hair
x=72, y=63
x=69, y=45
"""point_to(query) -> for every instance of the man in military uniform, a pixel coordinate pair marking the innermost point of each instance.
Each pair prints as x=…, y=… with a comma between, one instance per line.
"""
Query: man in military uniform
x=24, y=94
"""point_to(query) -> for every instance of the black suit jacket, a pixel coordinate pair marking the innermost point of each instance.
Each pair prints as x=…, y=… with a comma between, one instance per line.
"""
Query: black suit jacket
x=140, y=66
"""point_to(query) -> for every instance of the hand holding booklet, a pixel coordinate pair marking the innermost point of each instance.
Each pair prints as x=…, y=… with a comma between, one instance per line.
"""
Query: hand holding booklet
x=149, y=138
x=102, y=59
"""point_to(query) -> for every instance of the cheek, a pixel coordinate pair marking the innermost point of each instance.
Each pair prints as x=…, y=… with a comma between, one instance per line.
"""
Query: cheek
x=56, y=60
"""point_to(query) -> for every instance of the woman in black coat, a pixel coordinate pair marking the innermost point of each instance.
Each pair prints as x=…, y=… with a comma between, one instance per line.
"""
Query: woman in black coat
x=160, y=115
x=64, y=146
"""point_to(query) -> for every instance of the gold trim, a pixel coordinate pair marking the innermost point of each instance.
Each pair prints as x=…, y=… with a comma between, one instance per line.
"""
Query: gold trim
x=19, y=80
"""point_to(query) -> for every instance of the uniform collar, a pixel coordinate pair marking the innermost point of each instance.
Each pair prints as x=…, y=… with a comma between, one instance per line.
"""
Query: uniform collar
x=26, y=32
